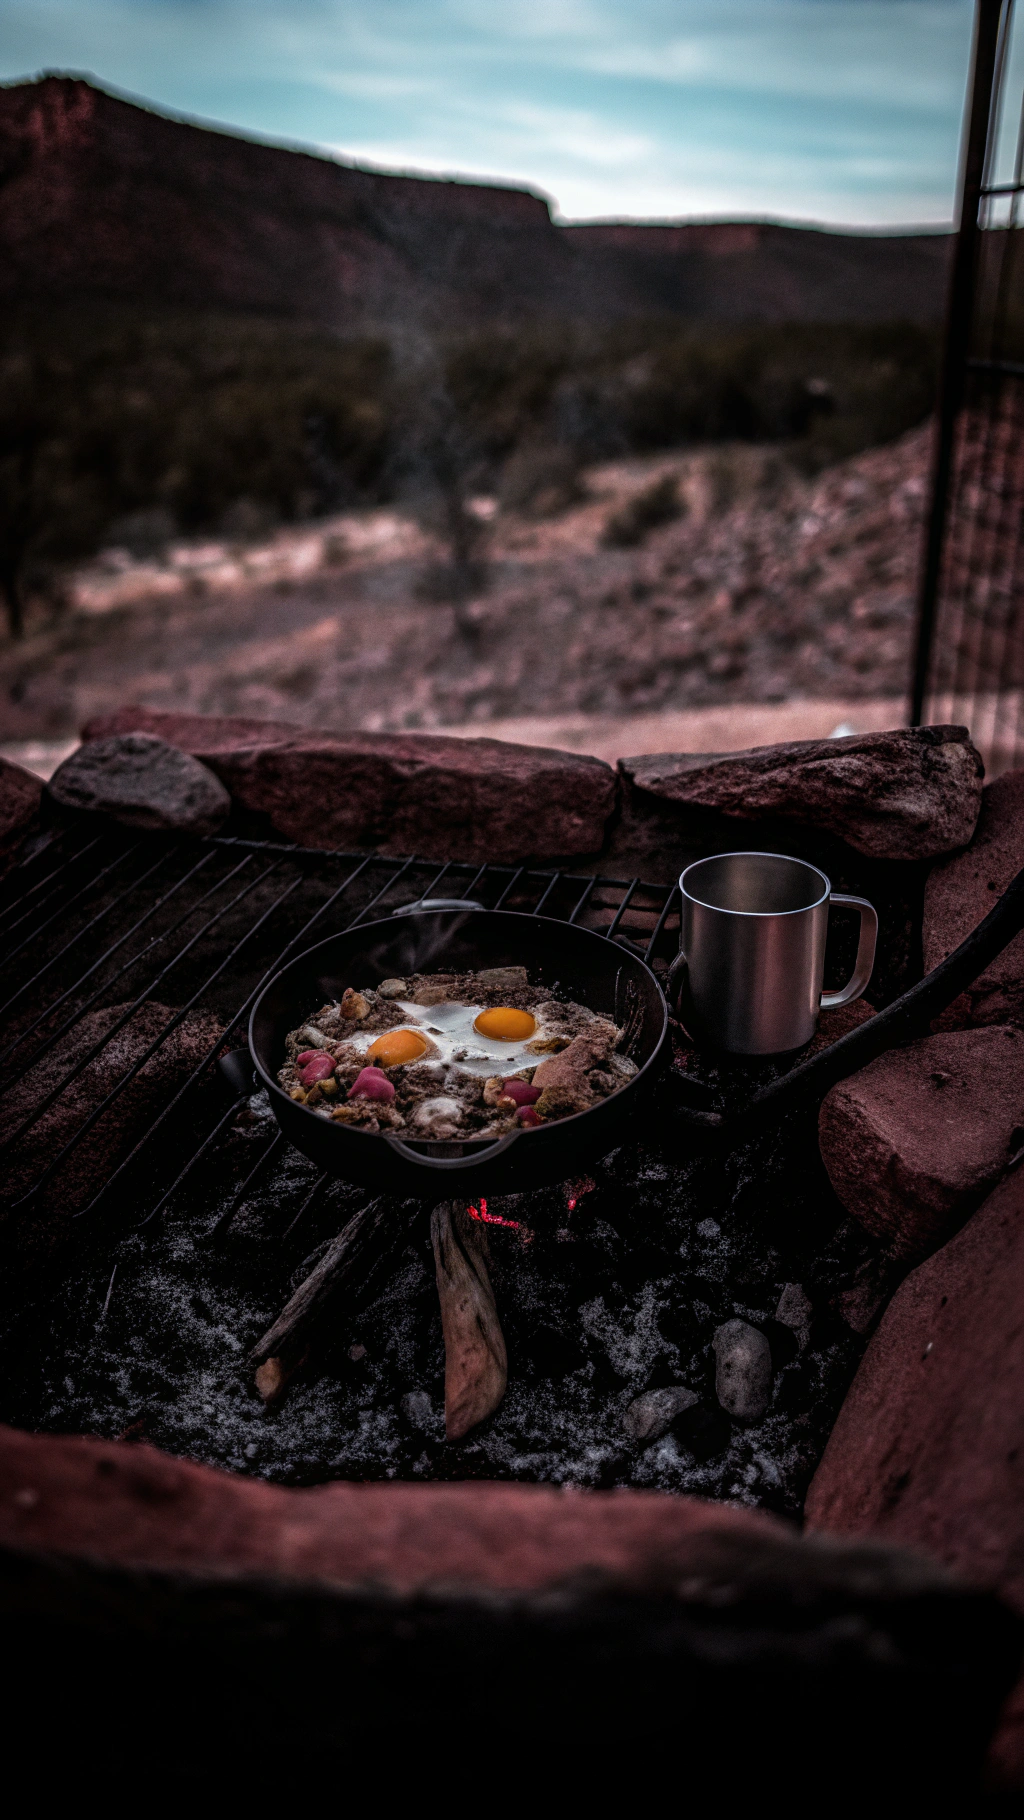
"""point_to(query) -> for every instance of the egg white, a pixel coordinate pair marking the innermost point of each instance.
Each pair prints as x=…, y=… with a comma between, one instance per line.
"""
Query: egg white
x=450, y=1029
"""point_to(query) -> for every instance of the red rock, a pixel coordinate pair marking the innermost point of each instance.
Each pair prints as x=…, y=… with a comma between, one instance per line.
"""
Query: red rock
x=961, y=891
x=132, y=1505
x=444, y=798
x=608, y=1618
x=1005, y=1765
x=834, y=1024
x=912, y=793
x=915, y=1140
x=928, y=1449
x=19, y=805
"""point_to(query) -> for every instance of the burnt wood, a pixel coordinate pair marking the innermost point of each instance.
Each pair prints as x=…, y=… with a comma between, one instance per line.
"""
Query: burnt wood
x=370, y=1237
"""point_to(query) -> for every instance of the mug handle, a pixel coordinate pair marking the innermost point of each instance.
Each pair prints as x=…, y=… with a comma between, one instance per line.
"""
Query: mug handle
x=864, y=964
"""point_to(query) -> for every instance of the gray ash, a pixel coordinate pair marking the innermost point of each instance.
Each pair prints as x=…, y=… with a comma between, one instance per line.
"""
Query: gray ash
x=619, y=1295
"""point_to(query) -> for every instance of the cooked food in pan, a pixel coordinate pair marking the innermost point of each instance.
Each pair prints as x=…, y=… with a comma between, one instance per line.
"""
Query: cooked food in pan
x=453, y=1056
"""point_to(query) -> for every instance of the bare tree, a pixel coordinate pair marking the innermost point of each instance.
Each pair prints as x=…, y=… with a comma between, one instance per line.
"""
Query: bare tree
x=440, y=464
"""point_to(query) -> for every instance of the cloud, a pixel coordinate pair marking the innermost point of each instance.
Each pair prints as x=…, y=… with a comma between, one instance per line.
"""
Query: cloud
x=844, y=110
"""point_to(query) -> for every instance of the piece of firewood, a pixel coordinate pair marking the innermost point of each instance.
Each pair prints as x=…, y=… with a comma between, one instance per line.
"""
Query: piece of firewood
x=475, y=1361
x=368, y=1239
x=272, y=1376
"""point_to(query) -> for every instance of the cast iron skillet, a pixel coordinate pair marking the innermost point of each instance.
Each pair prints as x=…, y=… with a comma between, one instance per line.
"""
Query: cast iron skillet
x=586, y=967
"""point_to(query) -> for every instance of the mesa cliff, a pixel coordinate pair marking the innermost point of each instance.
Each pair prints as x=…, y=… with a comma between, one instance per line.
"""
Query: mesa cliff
x=102, y=198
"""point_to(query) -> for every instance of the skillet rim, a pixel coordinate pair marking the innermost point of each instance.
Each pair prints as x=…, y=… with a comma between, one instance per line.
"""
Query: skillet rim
x=346, y=1132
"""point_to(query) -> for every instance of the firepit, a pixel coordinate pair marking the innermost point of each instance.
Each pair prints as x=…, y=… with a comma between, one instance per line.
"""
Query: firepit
x=162, y=1227
x=677, y=1308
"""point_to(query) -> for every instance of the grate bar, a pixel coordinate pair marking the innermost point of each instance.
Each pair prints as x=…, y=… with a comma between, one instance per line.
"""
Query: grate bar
x=584, y=900
x=48, y=845
x=40, y=928
x=195, y=1158
x=91, y=1055
x=471, y=888
x=41, y=883
x=662, y=920
x=621, y=911
x=61, y=952
x=126, y=968
x=276, y=1143
x=545, y=895
x=310, y=1198
x=219, y=1044
x=137, y=1066
x=381, y=893
x=510, y=887
x=431, y=889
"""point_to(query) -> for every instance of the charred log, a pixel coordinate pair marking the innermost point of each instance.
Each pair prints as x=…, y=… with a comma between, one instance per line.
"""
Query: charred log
x=362, y=1246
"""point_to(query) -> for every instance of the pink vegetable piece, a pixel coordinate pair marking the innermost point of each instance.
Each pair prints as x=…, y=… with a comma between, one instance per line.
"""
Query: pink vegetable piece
x=522, y=1092
x=308, y=1055
x=527, y=1116
x=371, y=1084
x=320, y=1068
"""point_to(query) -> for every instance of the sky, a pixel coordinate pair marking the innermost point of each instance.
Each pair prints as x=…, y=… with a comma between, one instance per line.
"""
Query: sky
x=838, y=111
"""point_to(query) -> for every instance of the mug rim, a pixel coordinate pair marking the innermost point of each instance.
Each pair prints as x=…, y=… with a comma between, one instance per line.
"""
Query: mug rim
x=755, y=853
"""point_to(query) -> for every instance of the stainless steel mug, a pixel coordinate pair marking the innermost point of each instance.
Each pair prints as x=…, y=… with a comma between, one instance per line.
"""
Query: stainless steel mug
x=752, y=951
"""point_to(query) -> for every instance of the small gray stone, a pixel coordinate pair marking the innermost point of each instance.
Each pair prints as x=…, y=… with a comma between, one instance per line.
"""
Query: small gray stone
x=795, y=1311
x=393, y=988
x=418, y=1410
x=743, y=1370
x=649, y=1416
x=143, y=782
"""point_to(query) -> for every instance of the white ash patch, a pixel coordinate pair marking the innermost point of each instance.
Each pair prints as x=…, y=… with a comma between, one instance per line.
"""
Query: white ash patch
x=661, y=1252
x=632, y=1345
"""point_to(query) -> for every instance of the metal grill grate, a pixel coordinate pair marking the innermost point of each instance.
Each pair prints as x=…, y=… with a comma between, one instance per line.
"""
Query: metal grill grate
x=94, y=920
x=970, y=656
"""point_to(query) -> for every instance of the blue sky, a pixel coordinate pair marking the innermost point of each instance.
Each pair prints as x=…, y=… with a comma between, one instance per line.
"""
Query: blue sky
x=844, y=111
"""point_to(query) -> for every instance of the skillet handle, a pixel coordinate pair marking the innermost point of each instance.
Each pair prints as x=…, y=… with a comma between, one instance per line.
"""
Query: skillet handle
x=452, y=1162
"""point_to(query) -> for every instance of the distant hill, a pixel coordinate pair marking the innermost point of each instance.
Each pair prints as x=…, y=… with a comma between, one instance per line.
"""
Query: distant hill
x=103, y=198
x=755, y=271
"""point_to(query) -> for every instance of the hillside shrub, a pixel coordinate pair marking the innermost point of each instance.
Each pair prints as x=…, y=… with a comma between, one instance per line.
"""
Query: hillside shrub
x=654, y=505
x=147, y=424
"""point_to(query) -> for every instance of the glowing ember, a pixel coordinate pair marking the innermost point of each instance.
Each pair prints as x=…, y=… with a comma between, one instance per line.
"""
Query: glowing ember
x=526, y=1233
x=490, y=1219
x=574, y=1191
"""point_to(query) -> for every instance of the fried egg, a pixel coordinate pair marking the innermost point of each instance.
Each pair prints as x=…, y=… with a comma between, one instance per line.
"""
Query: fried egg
x=476, y=1038
x=397, y=1046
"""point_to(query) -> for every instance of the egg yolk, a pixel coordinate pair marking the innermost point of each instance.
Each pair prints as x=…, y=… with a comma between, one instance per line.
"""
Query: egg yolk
x=506, y=1025
x=397, y=1046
